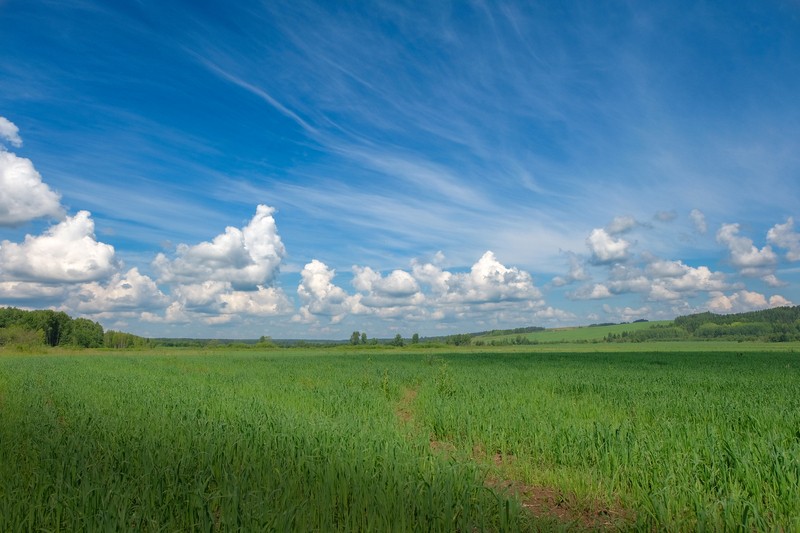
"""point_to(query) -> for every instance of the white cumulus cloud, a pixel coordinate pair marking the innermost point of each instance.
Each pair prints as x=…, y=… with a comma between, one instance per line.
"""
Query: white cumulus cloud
x=218, y=302
x=621, y=224
x=596, y=291
x=744, y=255
x=660, y=292
x=743, y=301
x=660, y=280
x=426, y=293
x=626, y=278
x=605, y=248
x=398, y=284
x=174, y=314
x=226, y=279
x=321, y=297
x=246, y=257
x=773, y=281
x=693, y=279
x=777, y=300
x=577, y=271
x=490, y=281
x=67, y=252
x=23, y=195
x=264, y=301
x=660, y=268
x=27, y=291
x=9, y=132
x=698, y=220
x=555, y=315
x=784, y=236
x=398, y=290
x=432, y=275
x=129, y=291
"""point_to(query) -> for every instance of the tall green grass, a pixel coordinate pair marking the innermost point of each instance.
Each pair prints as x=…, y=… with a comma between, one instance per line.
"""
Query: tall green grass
x=202, y=443
x=689, y=441
x=312, y=441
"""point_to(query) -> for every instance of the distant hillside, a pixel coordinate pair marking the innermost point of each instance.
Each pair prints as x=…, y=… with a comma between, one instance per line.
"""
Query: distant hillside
x=581, y=334
x=21, y=328
x=781, y=324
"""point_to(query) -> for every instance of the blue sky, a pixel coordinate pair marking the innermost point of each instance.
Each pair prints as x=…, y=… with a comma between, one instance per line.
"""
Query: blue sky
x=307, y=169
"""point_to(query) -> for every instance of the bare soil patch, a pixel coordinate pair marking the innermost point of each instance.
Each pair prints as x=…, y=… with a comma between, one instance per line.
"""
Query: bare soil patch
x=565, y=508
x=539, y=501
x=443, y=447
x=403, y=410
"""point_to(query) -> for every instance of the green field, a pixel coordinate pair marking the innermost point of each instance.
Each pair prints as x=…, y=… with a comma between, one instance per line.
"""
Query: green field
x=403, y=440
x=573, y=334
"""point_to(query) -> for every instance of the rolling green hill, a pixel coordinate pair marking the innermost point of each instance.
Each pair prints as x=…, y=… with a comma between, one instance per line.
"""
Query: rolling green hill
x=573, y=334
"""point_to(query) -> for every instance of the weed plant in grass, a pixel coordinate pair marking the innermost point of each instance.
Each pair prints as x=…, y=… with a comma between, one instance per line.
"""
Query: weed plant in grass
x=398, y=440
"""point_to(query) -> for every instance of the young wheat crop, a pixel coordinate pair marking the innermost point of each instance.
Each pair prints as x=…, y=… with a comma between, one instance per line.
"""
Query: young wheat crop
x=397, y=440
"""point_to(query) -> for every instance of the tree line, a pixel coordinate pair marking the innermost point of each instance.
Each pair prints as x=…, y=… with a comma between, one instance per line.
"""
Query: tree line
x=56, y=328
x=780, y=324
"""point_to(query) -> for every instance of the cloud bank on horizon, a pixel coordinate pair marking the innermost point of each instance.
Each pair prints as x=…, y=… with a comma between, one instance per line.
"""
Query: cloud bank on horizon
x=391, y=170
x=233, y=278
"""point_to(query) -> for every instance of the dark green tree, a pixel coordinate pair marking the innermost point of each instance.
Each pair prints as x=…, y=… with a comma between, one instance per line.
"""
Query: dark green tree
x=54, y=325
x=86, y=334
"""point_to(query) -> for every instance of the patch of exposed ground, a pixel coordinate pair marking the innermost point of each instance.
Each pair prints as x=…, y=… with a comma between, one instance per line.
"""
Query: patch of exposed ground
x=549, y=502
x=540, y=501
x=403, y=411
x=443, y=447
x=564, y=508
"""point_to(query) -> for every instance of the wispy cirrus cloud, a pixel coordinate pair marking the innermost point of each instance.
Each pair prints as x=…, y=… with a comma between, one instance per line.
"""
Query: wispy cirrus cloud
x=261, y=93
x=385, y=135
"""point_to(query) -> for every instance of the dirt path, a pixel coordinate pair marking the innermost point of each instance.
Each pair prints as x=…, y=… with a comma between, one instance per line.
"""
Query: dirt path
x=539, y=501
x=564, y=508
x=404, y=411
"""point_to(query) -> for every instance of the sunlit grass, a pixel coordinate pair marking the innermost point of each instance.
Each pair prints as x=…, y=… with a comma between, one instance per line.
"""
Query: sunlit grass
x=575, y=334
x=398, y=439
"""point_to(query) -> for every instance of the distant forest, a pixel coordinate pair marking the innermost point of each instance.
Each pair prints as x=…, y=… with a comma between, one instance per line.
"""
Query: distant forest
x=780, y=324
x=55, y=328
x=21, y=328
